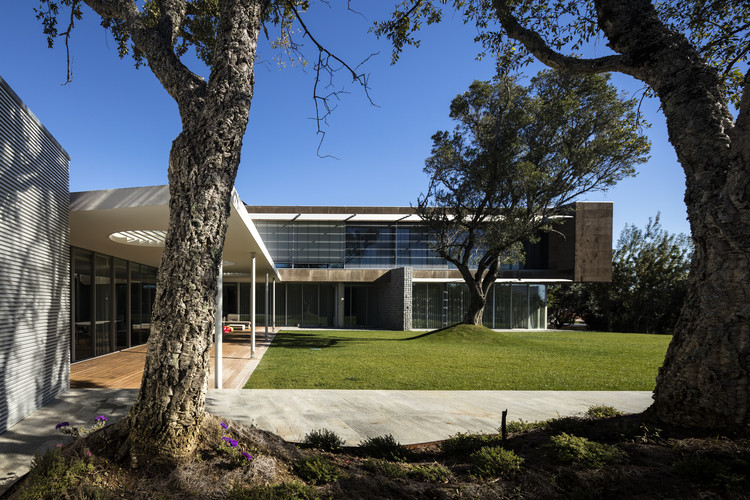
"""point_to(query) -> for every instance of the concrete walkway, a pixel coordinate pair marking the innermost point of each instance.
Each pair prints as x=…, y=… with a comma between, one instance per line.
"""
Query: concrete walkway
x=410, y=416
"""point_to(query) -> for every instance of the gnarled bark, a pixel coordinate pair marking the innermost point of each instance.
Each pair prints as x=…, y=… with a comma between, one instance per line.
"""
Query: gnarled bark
x=203, y=162
x=704, y=381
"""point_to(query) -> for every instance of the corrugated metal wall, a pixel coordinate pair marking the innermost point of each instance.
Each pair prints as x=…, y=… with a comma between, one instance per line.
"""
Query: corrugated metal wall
x=34, y=263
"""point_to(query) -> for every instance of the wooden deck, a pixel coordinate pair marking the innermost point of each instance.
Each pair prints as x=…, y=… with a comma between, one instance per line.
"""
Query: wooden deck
x=124, y=369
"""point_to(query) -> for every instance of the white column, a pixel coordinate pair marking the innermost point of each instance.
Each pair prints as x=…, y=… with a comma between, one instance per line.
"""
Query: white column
x=252, y=308
x=265, y=337
x=273, y=304
x=218, y=328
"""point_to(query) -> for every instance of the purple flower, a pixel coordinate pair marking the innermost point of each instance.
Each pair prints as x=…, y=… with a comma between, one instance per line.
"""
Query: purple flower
x=247, y=456
x=224, y=425
x=101, y=418
x=231, y=442
x=61, y=425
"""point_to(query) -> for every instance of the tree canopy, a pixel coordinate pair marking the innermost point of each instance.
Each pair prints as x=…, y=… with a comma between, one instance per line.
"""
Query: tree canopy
x=517, y=156
x=649, y=279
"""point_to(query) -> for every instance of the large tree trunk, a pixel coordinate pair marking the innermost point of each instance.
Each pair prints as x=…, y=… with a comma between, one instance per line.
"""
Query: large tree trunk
x=704, y=380
x=202, y=167
x=475, y=310
x=479, y=285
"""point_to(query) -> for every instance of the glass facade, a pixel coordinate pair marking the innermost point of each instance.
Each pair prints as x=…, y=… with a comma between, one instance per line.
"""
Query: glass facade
x=112, y=300
x=345, y=245
x=521, y=306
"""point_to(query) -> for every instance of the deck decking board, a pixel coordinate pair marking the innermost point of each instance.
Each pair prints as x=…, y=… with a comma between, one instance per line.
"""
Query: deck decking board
x=124, y=369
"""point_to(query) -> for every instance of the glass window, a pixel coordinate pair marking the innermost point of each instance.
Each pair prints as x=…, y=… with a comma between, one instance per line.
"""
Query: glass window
x=229, y=299
x=502, y=305
x=458, y=300
x=121, y=304
x=419, y=305
x=83, y=297
x=435, y=305
x=294, y=304
x=105, y=342
x=538, y=306
x=520, y=306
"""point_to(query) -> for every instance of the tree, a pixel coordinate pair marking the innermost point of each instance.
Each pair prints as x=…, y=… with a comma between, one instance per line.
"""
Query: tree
x=516, y=158
x=649, y=280
x=693, y=57
x=164, y=422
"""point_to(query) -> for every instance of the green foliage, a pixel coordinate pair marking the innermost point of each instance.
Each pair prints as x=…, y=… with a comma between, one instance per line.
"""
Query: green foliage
x=324, y=439
x=465, y=444
x=52, y=475
x=385, y=447
x=433, y=473
x=384, y=468
x=571, y=448
x=517, y=156
x=316, y=469
x=603, y=412
x=522, y=426
x=293, y=490
x=493, y=461
x=649, y=281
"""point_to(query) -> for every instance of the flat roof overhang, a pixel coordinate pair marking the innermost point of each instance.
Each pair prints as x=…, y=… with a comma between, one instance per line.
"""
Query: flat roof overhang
x=95, y=215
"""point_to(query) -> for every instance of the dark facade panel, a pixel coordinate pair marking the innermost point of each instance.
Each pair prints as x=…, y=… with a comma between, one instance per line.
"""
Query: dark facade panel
x=593, y=242
x=34, y=263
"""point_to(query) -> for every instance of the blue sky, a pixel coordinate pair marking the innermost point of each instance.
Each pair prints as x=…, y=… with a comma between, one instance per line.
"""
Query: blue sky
x=117, y=123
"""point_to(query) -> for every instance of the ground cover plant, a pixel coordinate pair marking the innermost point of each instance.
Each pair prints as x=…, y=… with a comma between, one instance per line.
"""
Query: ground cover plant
x=461, y=357
x=633, y=460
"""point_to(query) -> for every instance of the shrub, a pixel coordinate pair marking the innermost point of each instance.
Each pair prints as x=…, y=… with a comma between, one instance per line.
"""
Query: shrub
x=521, y=426
x=465, y=444
x=317, y=470
x=603, y=412
x=324, y=440
x=384, y=468
x=493, y=461
x=293, y=490
x=571, y=448
x=385, y=447
x=52, y=475
x=434, y=473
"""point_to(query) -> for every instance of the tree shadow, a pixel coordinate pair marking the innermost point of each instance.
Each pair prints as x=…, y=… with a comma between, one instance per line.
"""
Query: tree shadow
x=35, y=264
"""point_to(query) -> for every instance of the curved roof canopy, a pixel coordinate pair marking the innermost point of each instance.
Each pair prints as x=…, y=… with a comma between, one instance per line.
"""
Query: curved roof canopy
x=130, y=224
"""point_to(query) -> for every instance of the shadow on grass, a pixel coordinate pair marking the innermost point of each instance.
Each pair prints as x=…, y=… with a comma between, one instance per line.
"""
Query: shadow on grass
x=299, y=340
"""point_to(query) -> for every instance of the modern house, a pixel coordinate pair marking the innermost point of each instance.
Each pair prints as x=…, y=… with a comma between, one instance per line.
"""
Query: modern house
x=79, y=269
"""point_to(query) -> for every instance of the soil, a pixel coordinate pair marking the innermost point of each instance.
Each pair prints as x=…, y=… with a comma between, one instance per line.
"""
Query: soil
x=647, y=462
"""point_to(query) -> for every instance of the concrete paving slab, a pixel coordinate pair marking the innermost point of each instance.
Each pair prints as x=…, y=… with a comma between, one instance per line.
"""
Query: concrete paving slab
x=409, y=416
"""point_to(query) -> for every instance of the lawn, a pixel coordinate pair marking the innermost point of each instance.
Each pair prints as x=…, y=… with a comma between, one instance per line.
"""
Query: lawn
x=460, y=358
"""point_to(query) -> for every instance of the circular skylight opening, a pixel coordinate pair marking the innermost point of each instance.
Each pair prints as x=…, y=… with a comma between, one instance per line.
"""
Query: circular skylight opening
x=140, y=238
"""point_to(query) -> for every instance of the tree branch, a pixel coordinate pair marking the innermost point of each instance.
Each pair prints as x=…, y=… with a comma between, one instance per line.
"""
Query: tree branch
x=157, y=44
x=324, y=65
x=542, y=51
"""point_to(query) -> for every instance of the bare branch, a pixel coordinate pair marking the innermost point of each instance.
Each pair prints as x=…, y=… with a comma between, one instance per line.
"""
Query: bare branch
x=325, y=64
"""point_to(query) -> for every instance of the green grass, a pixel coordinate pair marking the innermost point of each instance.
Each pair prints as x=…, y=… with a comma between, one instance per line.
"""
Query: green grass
x=460, y=358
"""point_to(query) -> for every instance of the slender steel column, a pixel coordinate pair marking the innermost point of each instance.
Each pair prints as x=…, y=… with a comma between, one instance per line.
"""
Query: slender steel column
x=252, y=308
x=219, y=328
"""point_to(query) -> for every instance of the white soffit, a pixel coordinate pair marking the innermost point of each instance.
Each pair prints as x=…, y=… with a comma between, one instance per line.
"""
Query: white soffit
x=95, y=215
